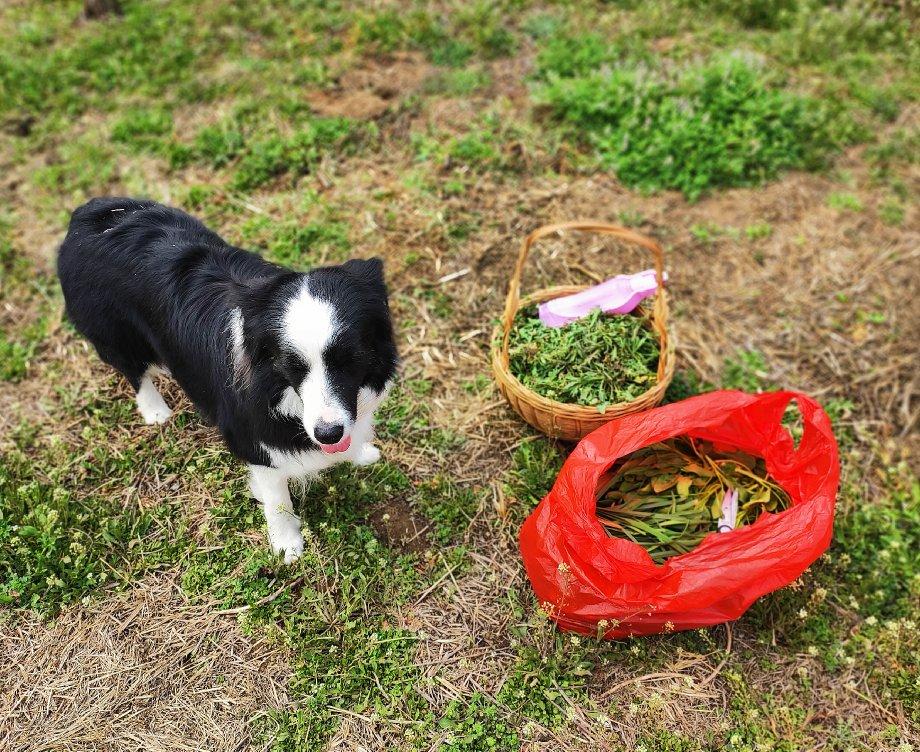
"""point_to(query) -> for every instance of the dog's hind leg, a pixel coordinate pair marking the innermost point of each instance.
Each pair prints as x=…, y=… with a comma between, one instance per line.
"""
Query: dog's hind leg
x=270, y=486
x=136, y=362
x=150, y=402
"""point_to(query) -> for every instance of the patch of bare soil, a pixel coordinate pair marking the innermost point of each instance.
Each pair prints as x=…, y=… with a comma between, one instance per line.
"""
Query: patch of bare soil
x=399, y=527
x=139, y=670
x=367, y=91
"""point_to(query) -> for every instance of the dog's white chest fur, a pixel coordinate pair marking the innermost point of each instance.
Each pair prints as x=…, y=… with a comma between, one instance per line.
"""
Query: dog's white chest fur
x=270, y=484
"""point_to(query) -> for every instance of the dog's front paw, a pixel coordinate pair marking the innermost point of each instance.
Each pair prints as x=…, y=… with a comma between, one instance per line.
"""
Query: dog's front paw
x=287, y=540
x=368, y=455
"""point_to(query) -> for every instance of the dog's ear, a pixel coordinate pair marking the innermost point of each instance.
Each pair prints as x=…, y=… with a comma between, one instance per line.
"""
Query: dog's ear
x=258, y=302
x=369, y=272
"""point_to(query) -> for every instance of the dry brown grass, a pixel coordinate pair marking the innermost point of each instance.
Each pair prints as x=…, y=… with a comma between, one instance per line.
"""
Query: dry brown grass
x=139, y=670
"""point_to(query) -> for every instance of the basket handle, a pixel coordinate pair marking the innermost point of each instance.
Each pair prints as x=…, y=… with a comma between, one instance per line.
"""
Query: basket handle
x=602, y=228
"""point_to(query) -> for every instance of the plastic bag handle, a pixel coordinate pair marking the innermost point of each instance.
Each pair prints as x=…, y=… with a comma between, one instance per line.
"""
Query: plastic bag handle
x=602, y=228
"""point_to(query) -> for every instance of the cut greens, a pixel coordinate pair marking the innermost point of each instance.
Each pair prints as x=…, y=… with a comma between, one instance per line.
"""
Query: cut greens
x=598, y=360
x=667, y=497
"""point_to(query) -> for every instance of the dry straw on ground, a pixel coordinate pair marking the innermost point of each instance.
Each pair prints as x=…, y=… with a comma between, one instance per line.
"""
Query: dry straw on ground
x=139, y=670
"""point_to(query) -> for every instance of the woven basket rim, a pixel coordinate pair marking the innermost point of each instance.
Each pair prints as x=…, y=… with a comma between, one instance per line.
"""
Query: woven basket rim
x=575, y=410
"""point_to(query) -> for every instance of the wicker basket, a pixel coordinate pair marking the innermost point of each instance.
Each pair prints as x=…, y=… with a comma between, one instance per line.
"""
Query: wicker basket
x=558, y=419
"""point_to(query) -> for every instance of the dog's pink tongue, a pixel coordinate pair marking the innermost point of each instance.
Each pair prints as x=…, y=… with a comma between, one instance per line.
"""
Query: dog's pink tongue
x=335, y=448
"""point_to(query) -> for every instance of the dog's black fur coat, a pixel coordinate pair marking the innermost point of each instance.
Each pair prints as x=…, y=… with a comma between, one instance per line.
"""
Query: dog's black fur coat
x=150, y=285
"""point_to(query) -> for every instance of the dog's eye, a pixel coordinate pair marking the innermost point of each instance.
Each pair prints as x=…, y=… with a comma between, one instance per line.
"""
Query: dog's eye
x=339, y=357
x=292, y=368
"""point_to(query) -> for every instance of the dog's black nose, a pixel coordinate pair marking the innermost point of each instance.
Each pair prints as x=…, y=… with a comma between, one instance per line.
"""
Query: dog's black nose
x=328, y=433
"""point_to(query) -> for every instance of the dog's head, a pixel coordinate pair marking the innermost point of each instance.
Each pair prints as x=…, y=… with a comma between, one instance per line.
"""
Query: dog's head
x=329, y=338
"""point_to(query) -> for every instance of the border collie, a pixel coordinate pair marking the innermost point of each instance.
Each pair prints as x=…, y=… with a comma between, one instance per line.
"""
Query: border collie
x=289, y=366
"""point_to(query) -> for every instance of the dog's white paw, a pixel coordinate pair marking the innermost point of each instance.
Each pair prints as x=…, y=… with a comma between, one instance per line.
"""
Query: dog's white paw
x=368, y=455
x=156, y=416
x=151, y=405
x=287, y=540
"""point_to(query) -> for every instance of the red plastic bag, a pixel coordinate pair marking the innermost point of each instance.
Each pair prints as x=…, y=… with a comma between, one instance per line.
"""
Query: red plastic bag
x=584, y=578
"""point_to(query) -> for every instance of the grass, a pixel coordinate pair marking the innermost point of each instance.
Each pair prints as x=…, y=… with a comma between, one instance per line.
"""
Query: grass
x=596, y=108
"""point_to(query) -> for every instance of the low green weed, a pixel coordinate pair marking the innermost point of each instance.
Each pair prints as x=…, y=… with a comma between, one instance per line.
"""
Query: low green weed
x=460, y=82
x=844, y=202
x=474, y=724
x=746, y=371
x=276, y=155
x=143, y=128
x=545, y=680
x=56, y=547
x=758, y=231
x=723, y=123
x=301, y=245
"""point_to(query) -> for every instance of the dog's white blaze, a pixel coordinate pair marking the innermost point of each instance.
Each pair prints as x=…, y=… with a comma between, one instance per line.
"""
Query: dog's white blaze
x=309, y=325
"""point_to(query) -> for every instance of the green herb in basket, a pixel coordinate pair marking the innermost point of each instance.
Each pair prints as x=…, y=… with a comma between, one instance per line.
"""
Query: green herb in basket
x=597, y=360
x=668, y=497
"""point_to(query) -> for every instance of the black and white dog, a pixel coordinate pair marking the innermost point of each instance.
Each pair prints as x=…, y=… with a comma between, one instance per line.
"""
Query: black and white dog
x=289, y=366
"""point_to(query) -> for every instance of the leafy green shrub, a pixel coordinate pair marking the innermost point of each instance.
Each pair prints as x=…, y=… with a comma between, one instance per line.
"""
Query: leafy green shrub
x=718, y=124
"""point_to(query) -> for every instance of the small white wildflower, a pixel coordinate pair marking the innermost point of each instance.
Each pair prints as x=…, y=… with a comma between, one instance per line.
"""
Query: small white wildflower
x=803, y=613
x=871, y=621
